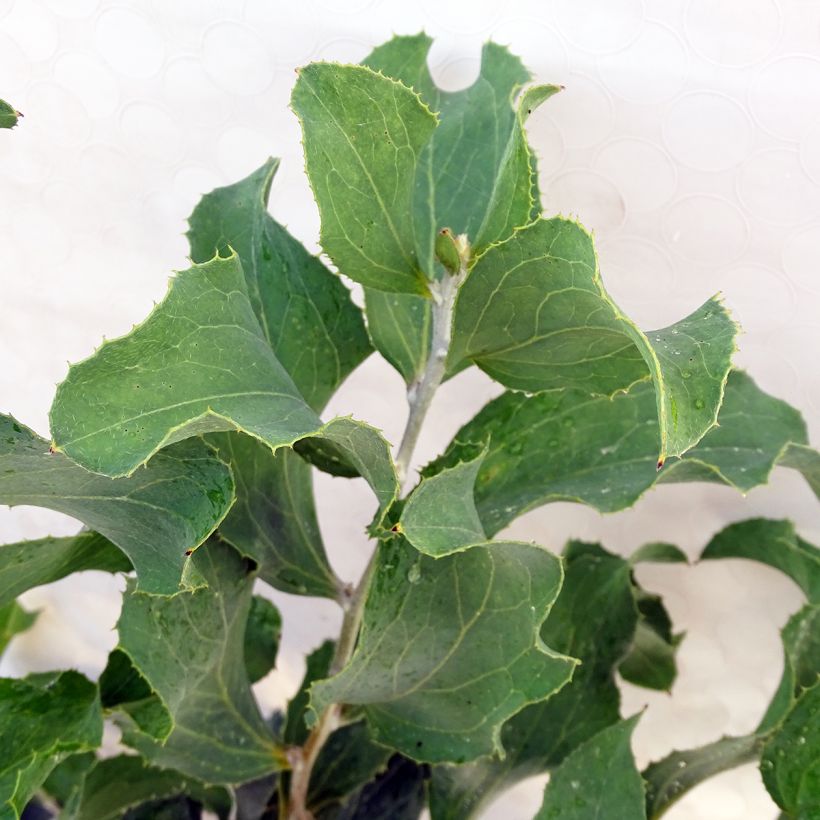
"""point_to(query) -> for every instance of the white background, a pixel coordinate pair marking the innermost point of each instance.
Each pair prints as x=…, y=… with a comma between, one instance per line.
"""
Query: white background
x=688, y=138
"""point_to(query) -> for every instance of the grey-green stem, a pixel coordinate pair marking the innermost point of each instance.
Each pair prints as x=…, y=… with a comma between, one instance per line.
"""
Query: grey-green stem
x=419, y=397
x=420, y=394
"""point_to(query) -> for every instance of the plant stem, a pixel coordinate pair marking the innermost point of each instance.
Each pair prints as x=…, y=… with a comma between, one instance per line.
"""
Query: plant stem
x=420, y=394
x=419, y=397
x=330, y=719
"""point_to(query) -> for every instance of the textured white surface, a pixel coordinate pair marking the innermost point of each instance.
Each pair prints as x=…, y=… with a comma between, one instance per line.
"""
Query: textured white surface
x=688, y=137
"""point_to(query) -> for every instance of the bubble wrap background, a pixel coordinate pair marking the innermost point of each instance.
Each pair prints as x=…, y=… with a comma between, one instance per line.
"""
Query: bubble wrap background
x=688, y=137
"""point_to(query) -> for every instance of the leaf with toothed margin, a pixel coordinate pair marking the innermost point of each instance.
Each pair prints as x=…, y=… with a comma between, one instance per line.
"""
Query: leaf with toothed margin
x=262, y=634
x=669, y=779
x=177, y=681
x=449, y=648
x=475, y=175
x=534, y=315
x=156, y=516
x=29, y=564
x=775, y=543
x=363, y=135
x=599, y=779
x=318, y=335
x=116, y=786
x=43, y=718
x=8, y=115
x=790, y=763
x=594, y=620
x=805, y=460
x=658, y=552
x=274, y=518
x=305, y=311
x=14, y=620
x=479, y=146
x=566, y=446
x=439, y=516
x=651, y=659
x=199, y=364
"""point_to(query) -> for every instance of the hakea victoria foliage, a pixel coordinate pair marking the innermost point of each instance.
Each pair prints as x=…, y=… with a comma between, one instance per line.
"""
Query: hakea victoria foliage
x=464, y=663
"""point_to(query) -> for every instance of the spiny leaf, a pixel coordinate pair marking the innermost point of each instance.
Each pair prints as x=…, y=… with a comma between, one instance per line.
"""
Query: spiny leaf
x=156, y=517
x=14, y=620
x=449, y=650
x=317, y=666
x=805, y=460
x=8, y=115
x=790, y=764
x=178, y=681
x=774, y=543
x=42, y=718
x=116, y=785
x=305, y=311
x=651, y=659
x=274, y=518
x=439, y=516
x=658, y=552
x=669, y=779
x=599, y=779
x=533, y=313
x=29, y=564
x=400, y=325
x=565, y=446
x=198, y=364
x=398, y=793
x=477, y=176
x=594, y=619
x=363, y=134
x=262, y=633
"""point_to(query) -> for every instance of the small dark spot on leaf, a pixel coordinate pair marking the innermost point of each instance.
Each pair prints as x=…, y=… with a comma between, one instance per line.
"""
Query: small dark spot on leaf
x=189, y=552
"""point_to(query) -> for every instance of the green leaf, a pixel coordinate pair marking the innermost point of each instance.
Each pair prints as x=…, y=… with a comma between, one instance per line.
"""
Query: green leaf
x=477, y=176
x=400, y=326
x=118, y=784
x=440, y=517
x=317, y=666
x=805, y=460
x=346, y=762
x=14, y=620
x=198, y=364
x=651, y=659
x=658, y=552
x=8, y=115
x=790, y=764
x=363, y=135
x=594, y=619
x=398, y=793
x=534, y=315
x=565, y=446
x=262, y=634
x=29, y=564
x=156, y=517
x=599, y=779
x=449, y=648
x=669, y=779
x=477, y=169
x=187, y=704
x=274, y=518
x=65, y=783
x=306, y=314
x=42, y=718
x=774, y=543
